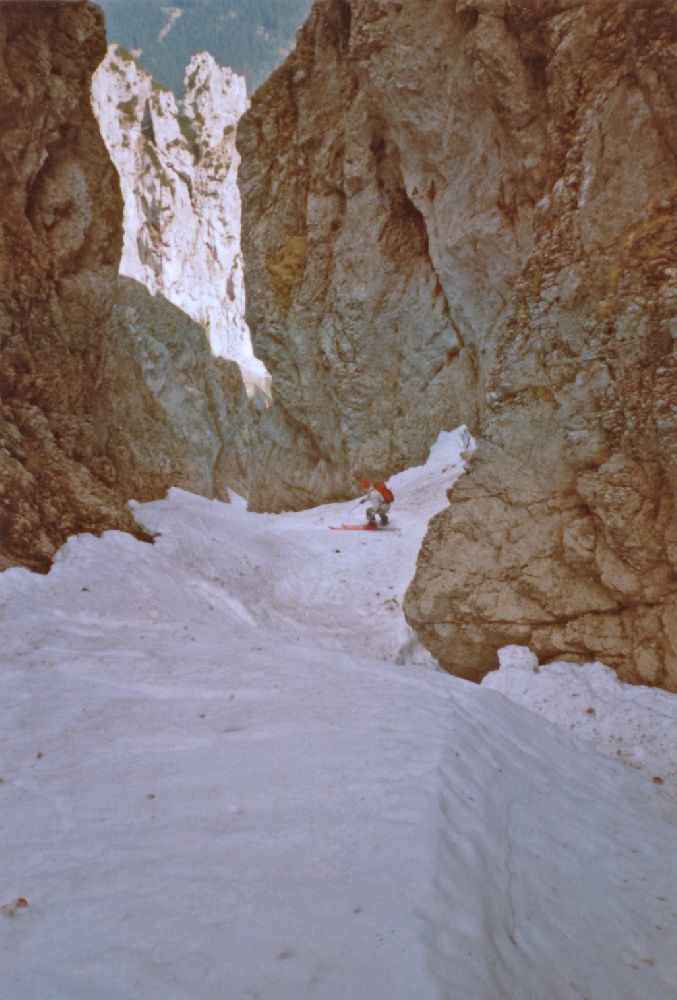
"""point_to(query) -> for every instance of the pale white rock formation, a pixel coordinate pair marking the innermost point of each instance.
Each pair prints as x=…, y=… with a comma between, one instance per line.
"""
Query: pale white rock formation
x=178, y=165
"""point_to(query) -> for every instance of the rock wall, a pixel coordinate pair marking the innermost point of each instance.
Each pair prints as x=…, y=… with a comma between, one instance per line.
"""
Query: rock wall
x=464, y=211
x=563, y=534
x=178, y=165
x=89, y=416
x=345, y=302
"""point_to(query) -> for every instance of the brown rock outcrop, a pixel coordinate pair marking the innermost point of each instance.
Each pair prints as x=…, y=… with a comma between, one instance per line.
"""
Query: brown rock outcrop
x=88, y=415
x=464, y=210
x=345, y=302
x=563, y=534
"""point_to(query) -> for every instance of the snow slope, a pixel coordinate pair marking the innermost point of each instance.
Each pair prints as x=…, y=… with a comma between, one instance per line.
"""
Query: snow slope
x=219, y=783
x=632, y=723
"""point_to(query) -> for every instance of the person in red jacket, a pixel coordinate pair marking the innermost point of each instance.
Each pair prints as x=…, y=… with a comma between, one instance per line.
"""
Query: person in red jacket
x=379, y=496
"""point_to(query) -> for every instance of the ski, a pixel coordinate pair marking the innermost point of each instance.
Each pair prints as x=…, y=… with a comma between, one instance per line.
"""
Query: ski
x=358, y=527
x=352, y=527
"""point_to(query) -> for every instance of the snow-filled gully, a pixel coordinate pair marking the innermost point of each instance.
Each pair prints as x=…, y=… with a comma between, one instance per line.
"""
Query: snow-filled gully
x=228, y=771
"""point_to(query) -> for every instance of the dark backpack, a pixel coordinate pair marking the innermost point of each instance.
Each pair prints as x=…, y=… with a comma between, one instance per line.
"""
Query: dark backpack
x=385, y=492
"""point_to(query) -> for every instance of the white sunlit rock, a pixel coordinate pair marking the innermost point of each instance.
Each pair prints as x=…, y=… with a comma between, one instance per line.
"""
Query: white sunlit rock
x=178, y=163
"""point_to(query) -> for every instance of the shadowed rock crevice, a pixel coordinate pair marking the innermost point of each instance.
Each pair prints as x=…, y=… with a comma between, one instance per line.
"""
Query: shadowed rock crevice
x=404, y=236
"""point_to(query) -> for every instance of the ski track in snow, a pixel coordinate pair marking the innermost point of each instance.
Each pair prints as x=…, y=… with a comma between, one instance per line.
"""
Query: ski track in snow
x=229, y=771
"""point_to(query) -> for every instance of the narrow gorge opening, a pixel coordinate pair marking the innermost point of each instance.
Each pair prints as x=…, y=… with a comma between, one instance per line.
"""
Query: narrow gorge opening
x=178, y=164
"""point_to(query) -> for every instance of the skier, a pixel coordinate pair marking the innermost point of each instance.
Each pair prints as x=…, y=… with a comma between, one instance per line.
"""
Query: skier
x=379, y=497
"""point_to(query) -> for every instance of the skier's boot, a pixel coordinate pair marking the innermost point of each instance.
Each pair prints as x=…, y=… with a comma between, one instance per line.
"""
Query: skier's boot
x=384, y=519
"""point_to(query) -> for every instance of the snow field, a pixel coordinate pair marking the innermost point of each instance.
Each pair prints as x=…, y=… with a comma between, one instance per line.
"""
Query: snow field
x=219, y=784
x=635, y=724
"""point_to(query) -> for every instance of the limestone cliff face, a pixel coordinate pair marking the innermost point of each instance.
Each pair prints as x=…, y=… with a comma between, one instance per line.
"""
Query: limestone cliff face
x=465, y=211
x=345, y=303
x=88, y=415
x=391, y=172
x=178, y=164
x=563, y=534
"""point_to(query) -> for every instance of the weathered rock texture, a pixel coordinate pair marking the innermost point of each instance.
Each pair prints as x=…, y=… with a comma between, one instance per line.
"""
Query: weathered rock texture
x=178, y=164
x=466, y=211
x=345, y=303
x=89, y=413
x=563, y=535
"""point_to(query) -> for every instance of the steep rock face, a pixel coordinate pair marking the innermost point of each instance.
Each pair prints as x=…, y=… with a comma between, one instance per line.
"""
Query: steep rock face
x=388, y=192
x=178, y=164
x=465, y=211
x=563, y=534
x=370, y=355
x=86, y=418
x=253, y=38
x=200, y=424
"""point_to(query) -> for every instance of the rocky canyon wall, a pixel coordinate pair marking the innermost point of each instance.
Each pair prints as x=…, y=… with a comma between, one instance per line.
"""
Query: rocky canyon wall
x=465, y=211
x=177, y=164
x=106, y=393
x=345, y=301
